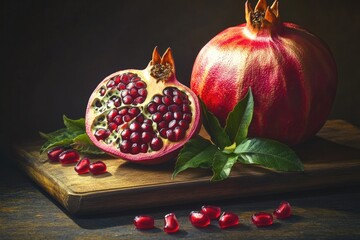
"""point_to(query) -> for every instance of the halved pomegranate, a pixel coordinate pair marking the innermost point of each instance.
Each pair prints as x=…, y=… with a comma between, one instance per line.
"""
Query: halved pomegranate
x=143, y=116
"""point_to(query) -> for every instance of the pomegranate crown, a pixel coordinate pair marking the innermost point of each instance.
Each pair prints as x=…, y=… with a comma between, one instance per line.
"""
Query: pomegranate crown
x=263, y=16
x=162, y=68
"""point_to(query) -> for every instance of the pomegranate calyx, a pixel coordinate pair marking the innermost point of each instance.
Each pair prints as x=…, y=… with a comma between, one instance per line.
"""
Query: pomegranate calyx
x=262, y=17
x=162, y=68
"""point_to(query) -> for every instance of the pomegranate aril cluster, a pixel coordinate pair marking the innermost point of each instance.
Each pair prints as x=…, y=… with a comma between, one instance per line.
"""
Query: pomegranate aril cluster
x=66, y=155
x=172, y=113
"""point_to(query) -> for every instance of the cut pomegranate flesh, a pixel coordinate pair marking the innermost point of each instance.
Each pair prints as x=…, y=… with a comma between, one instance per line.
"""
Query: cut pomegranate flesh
x=213, y=212
x=262, y=219
x=97, y=167
x=198, y=219
x=69, y=156
x=82, y=166
x=171, y=224
x=283, y=211
x=228, y=219
x=144, y=116
x=144, y=222
x=53, y=154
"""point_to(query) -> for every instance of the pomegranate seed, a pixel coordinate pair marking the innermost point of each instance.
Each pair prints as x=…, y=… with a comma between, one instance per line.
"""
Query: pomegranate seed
x=146, y=127
x=262, y=219
x=148, y=121
x=82, y=166
x=121, y=86
x=134, y=93
x=173, y=108
x=117, y=79
x=123, y=111
x=172, y=124
x=144, y=222
x=283, y=211
x=144, y=148
x=125, y=134
x=102, y=91
x=118, y=120
x=112, y=126
x=177, y=100
x=135, y=79
x=168, y=91
x=117, y=102
x=130, y=85
x=112, y=115
x=126, y=118
x=124, y=93
x=142, y=92
x=125, y=146
x=125, y=78
x=134, y=111
x=163, y=133
x=135, y=148
x=152, y=107
x=184, y=124
x=161, y=125
x=53, y=154
x=127, y=99
x=156, y=117
x=146, y=137
x=228, y=219
x=110, y=84
x=157, y=99
x=186, y=108
x=171, y=224
x=101, y=134
x=167, y=116
x=135, y=137
x=187, y=117
x=156, y=144
x=170, y=135
x=134, y=126
x=177, y=115
x=139, y=100
x=97, y=167
x=140, y=118
x=162, y=108
x=199, y=219
x=140, y=84
x=69, y=156
x=167, y=100
x=179, y=133
x=212, y=211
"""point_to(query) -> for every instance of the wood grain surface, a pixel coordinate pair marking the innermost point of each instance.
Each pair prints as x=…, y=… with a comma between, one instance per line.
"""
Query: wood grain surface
x=331, y=159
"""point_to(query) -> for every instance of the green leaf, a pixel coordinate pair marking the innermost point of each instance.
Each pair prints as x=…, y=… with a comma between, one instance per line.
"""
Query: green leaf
x=222, y=165
x=83, y=144
x=269, y=154
x=239, y=119
x=197, y=152
x=213, y=127
x=74, y=125
x=55, y=142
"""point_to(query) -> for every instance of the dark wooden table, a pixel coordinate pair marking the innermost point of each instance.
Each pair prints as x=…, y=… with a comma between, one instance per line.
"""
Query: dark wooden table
x=27, y=212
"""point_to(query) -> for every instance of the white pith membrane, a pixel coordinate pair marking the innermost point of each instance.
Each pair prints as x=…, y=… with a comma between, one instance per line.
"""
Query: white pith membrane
x=133, y=122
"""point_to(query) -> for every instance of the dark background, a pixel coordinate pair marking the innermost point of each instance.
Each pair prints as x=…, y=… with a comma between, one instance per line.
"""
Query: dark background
x=55, y=52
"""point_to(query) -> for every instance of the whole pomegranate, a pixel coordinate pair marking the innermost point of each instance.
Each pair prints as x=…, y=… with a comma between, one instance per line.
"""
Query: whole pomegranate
x=144, y=116
x=291, y=72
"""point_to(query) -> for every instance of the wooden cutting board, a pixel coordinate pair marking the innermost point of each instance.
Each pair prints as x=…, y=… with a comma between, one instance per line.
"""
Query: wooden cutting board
x=331, y=159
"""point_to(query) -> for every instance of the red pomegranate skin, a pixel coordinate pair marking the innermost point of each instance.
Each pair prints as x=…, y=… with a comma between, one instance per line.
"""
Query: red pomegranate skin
x=291, y=72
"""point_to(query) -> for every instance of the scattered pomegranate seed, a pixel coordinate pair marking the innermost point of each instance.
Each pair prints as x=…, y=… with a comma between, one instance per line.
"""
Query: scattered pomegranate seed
x=228, y=219
x=97, y=167
x=213, y=212
x=283, y=211
x=53, y=154
x=262, y=219
x=198, y=219
x=69, y=156
x=144, y=222
x=171, y=224
x=83, y=166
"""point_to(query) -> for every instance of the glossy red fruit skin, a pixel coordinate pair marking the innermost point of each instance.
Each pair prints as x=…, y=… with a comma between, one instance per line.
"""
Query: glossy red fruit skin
x=262, y=219
x=83, y=166
x=283, y=211
x=144, y=222
x=228, y=219
x=213, y=212
x=69, y=156
x=171, y=224
x=98, y=167
x=291, y=72
x=53, y=154
x=199, y=219
x=167, y=151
